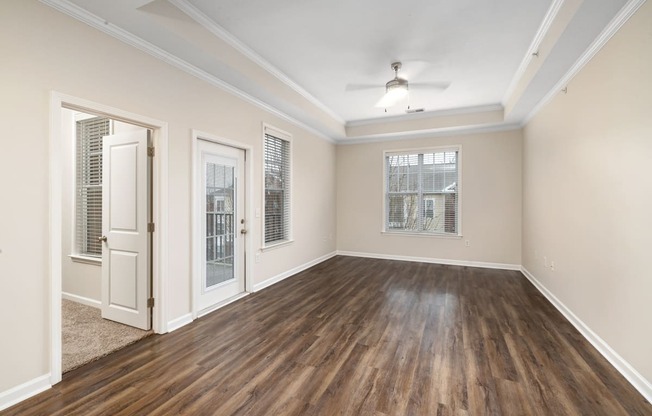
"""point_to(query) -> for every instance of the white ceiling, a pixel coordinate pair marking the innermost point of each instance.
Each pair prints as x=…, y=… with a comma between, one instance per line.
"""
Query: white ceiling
x=325, y=45
x=284, y=52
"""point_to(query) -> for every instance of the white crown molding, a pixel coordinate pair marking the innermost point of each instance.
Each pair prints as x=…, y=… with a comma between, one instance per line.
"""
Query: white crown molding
x=634, y=377
x=614, y=25
x=210, y=25
x=426, y=114
x=431, y=133
x=92, y=20
x=550, y=16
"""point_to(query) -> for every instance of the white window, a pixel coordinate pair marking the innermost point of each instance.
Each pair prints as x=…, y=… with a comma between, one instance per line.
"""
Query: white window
x=276, y=226
x=421, y=191
x=88, y=221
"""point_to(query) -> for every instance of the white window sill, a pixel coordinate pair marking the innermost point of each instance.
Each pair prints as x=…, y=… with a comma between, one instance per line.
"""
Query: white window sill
x=96, y=261
x=426, y=235
x=276, y=245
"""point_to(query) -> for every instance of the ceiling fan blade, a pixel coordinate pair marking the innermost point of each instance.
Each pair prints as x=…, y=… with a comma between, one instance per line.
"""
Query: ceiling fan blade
x=361, y=87
x=430, y=85
x=413, y=68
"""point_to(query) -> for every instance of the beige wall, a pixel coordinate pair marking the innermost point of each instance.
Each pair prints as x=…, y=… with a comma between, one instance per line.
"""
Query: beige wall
x=44, y=50
x=491, y=200
x=587, y=188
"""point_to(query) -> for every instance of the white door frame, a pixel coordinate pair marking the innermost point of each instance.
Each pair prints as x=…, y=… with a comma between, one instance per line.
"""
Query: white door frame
x=59, y=101
x=196, y=221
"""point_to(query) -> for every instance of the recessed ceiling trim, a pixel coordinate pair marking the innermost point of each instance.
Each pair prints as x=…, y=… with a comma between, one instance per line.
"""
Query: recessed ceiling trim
x=438, y=132
x=97, y=22
x=426, y=114
x=614, y=25
x=534, y=47
x=210, y=25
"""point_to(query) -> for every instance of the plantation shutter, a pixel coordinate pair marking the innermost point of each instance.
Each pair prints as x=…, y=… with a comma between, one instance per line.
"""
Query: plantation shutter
x=89, y=184
x=421, y=192
x=277, y=188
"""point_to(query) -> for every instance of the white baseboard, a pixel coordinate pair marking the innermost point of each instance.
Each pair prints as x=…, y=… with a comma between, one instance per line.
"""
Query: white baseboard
x=179, y=322
x=81, y=299
x=291, y=272
x=222, y=304
x=24, y=391
x=634, y=377
x=469, y=263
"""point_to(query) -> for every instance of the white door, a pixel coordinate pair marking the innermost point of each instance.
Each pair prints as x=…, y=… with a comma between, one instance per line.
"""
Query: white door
x=125, y=252
x=222, y=228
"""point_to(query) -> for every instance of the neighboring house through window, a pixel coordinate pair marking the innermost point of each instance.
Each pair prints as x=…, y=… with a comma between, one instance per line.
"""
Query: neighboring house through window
x=276, y=202
x=88, y=222
x=421, y=193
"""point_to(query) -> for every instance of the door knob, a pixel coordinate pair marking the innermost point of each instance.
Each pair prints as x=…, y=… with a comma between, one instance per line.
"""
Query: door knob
x=102, y=239
x=243, y=231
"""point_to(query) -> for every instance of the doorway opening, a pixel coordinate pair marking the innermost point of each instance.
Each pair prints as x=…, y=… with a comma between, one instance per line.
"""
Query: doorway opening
x=107, y=196
x=91, y=328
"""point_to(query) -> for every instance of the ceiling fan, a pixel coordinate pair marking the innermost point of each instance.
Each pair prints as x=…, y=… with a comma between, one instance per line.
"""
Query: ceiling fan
x=397, y=88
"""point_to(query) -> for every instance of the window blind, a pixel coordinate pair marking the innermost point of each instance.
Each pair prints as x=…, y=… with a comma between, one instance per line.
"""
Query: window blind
x=421, y=192
x=277, y=189
x=89, y=134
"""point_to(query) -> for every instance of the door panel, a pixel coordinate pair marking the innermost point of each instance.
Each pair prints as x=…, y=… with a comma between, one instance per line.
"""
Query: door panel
x=125, y=252
x=221, y=208
x=123, y=178
x=123, y=285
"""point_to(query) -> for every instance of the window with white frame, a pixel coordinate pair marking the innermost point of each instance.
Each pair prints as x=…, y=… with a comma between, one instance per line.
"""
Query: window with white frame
x=421, y=191
x=277, y=187
x=89, y=134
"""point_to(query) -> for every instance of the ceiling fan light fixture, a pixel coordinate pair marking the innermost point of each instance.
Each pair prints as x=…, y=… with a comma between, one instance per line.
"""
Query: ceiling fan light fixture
x=392, y=97
x=395, y=90
x=397, y=84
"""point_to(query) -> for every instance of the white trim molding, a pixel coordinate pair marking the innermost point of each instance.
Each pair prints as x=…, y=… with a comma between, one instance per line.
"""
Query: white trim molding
x=614, y=25
x=209, y=24
x=222, y=304
x=550, y=16
x=58, y=101
x=24, y=391
x=634, y=377
x=282, y=276
x=431, y=133
x=93, y=303
x=177, y=323
x=449, y=262
x=426, y=114
x=122, y=35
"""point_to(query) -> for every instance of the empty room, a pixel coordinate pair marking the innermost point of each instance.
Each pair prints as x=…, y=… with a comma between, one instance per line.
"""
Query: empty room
x=317, y=208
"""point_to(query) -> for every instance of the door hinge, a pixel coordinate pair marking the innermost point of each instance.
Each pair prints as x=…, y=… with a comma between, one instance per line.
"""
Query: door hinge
x=151, y=227
x=150, y=151
x=150, y=302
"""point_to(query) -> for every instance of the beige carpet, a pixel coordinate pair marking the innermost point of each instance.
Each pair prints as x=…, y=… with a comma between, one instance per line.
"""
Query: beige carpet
x=87, y=337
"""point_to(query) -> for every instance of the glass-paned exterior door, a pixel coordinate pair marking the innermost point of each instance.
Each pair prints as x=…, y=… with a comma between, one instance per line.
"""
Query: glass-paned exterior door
x=221, y=226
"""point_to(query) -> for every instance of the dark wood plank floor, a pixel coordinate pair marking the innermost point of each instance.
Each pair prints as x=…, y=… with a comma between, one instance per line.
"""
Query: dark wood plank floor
x=357, y=336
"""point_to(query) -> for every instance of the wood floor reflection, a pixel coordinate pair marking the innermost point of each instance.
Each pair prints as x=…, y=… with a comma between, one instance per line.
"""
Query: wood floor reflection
x=356, y=336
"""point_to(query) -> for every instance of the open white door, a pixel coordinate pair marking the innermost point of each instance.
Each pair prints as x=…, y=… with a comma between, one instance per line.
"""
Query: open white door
x=220, y=205
x=125, y=252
